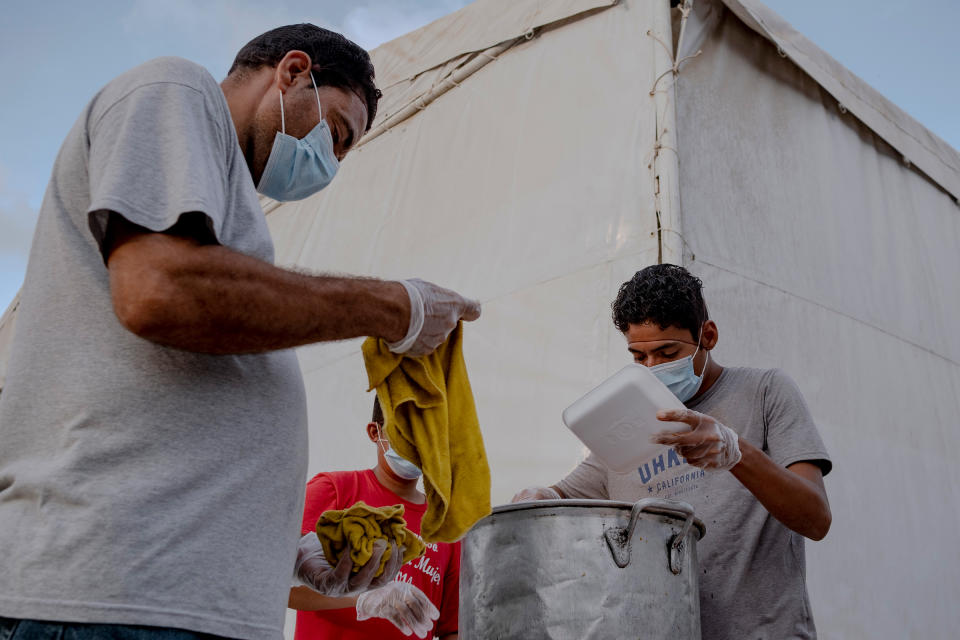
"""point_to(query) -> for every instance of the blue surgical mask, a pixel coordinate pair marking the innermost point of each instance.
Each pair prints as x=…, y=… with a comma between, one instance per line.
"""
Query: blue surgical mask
x=679, y=376
x=297, y=169
x=400, y=465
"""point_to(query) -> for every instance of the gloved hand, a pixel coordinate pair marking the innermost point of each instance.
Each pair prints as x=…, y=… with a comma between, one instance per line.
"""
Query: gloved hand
x=708, y=444
x=407, y=607
x=434, y=313
x=313, y=570
x=536, y=493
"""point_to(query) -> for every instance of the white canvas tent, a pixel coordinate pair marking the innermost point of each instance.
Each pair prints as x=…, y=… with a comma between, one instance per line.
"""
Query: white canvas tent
x=536, y=154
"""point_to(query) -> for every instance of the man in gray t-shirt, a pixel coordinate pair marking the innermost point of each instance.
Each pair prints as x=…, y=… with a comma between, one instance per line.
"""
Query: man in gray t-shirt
x=745, y=454
x=153, y=422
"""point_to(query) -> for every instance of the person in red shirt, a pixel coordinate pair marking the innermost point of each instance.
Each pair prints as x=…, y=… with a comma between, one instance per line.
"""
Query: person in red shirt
x=436, y=574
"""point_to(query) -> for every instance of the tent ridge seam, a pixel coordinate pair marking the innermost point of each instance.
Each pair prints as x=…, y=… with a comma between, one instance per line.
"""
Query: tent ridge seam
x=540, y=18
x=531, y=29
x=604, y=263
x=867, y=105
x=832, y=310
x=864, y=103
x=453, y=79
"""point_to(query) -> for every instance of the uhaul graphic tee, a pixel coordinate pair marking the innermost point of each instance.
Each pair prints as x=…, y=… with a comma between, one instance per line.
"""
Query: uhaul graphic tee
x=752, y=568
x=436, y=573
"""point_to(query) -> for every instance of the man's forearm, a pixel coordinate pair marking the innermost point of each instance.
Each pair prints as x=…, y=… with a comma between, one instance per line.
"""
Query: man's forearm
x=797, y=501
x=211, y=299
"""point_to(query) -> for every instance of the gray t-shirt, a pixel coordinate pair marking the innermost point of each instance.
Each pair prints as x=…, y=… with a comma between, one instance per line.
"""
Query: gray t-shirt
x=753, y=569
x=141, y=484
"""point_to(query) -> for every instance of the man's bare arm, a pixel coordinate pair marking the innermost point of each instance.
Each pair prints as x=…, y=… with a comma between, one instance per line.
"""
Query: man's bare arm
x=172, y=289
x=794, y=495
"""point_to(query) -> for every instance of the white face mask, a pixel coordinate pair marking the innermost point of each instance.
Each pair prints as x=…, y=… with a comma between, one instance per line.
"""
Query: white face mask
x=679, y=375
x=297, y=169
x=398, y=464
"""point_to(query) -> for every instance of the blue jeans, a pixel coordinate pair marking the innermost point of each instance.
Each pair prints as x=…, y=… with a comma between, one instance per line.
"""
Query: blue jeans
x=11, y=629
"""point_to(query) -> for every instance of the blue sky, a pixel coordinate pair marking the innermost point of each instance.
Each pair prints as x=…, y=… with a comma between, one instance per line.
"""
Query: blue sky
x=56, y=55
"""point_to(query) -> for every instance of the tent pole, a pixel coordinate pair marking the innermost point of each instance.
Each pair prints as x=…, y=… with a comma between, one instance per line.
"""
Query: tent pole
x=666, y=163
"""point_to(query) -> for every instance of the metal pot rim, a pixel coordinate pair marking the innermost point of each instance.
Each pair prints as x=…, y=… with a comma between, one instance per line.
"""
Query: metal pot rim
x=581, y=502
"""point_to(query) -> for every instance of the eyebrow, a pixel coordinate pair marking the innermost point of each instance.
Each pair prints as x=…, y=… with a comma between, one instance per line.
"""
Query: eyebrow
x=662, y=347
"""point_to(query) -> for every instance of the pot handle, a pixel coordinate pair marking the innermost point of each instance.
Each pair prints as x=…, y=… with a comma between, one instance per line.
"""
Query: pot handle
x=619, y=538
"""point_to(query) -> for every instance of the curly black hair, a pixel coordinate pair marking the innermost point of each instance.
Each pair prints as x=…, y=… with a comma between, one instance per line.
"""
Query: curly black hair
x=337, y=62
x=665, y=294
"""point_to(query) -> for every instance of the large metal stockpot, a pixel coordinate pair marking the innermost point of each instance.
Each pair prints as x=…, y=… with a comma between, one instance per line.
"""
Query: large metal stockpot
x=582, y=570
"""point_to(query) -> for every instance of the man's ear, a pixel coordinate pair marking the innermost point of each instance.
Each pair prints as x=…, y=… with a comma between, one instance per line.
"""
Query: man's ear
x=373, y=431
x=291, y=67
x=710, y=335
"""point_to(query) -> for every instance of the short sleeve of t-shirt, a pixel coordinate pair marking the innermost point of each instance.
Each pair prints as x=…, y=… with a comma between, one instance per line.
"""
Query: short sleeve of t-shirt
x=791, y=434
x=321, y=495
x=156, y=153
x=449, y=621
x=588, y=480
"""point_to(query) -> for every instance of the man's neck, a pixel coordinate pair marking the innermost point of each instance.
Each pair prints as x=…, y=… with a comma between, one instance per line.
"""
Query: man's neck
x=244, y=93
x=710, y=376
x=406, y=489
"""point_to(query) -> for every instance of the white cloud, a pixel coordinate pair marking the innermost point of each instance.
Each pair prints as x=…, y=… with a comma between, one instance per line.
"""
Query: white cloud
x=375, y=23
x=225, y=24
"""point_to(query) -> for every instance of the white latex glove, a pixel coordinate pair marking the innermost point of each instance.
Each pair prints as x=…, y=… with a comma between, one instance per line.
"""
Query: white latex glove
x=434, y=313
x=313, y=570
x=536, y=493
x=408, y=608
x=708, y=444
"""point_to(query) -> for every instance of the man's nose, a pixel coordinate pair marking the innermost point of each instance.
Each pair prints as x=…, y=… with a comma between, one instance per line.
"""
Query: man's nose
x=652, y=361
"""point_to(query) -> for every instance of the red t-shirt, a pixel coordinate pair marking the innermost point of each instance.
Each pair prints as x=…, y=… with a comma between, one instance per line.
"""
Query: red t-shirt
x=436, y=573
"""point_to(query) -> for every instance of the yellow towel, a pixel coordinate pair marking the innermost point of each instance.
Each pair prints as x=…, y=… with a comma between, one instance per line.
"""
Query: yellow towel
x=431, y=421
x=360, y=525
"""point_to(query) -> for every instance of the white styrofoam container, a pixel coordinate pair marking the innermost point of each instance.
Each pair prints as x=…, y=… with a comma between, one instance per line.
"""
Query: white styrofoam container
x=616, y=419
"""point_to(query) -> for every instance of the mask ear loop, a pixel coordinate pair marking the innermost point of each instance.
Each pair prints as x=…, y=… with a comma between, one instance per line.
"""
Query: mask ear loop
x=283, y=123
x=380, y=439
x=315, y=91
x=699, y=339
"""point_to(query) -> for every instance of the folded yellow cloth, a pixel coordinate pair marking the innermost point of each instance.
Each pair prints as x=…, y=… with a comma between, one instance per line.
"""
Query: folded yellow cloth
x=431, y=421
x=361, y=525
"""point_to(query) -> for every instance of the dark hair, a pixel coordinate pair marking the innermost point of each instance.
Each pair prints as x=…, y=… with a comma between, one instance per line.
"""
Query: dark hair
x=665, y=294
x=377, y=412
x=337, y=62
